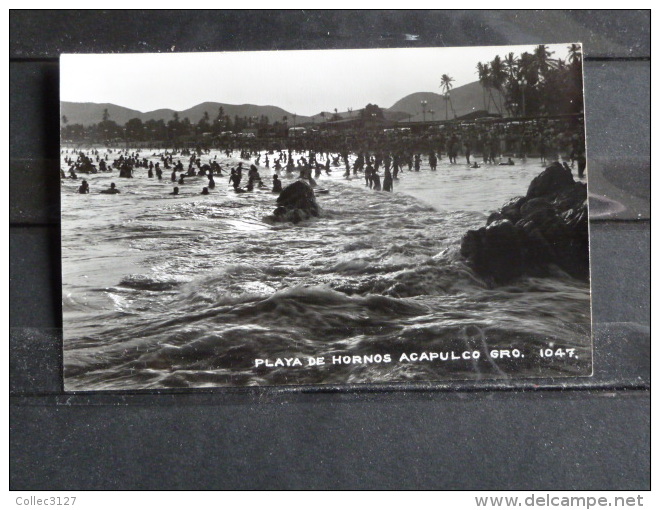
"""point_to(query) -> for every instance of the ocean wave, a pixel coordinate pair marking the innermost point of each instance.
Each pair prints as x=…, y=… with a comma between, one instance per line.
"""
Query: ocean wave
x=150, y=282
x=214, y=287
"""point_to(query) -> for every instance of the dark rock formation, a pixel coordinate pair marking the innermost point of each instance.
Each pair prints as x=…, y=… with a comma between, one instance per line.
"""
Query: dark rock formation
x=531, y=234
x=551, y=180
x=296, y=203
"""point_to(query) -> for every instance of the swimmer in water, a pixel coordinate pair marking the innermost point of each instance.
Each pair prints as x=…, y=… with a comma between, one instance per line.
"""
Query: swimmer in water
x=388, y=183
x=253, y=177
x=205, y=191
x=111, y=191
x=235, y=179
x=84, y=188
x=376, y=180
x=175, y=191
x=277, y=184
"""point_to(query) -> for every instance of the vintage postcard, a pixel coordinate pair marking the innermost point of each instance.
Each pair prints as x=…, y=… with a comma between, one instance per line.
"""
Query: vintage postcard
x=324, y=217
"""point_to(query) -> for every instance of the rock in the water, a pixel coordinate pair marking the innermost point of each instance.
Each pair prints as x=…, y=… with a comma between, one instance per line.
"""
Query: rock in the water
x=535, y=205
x=296, y=203
x=529, y=235
x=551, y=181
x=495, y=251
x=511, y=210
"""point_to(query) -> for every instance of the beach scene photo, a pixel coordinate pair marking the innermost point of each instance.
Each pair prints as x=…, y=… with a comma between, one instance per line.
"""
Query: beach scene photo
x=335, y=217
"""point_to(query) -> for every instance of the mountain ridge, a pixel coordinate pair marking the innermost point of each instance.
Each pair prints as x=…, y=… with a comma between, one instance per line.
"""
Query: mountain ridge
x=464, y=99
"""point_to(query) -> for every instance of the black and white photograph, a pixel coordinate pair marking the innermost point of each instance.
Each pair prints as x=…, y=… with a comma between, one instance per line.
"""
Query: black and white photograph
x=324, y=217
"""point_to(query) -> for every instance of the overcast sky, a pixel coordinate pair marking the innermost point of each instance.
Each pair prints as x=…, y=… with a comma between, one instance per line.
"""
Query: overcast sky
x=302, y=82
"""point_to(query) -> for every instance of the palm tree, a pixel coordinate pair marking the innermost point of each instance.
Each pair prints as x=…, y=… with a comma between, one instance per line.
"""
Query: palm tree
x=510, y=64
x=527, y=79
x=446, y=83
x=542, y=60
x=483, y=70
x=446, y=86
x=527, y=69
x=530, y=84
x=574, y=54
x=511, y=67
x=498, y=76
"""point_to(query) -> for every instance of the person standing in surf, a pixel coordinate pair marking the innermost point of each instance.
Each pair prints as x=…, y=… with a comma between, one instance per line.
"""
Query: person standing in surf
x=235, y=179
x=433, y=160
x=375, y=179
x=388, y=183
x=277, y=184
x=368, y=175
x=395, y=167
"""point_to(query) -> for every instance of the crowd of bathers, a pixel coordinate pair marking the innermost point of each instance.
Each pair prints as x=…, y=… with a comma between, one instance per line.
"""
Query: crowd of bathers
x=357, y=153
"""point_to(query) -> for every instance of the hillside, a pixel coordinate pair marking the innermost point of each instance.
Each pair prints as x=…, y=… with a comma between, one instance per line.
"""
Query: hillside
x=92, y=113
x=465, y=99
x=273, y=113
